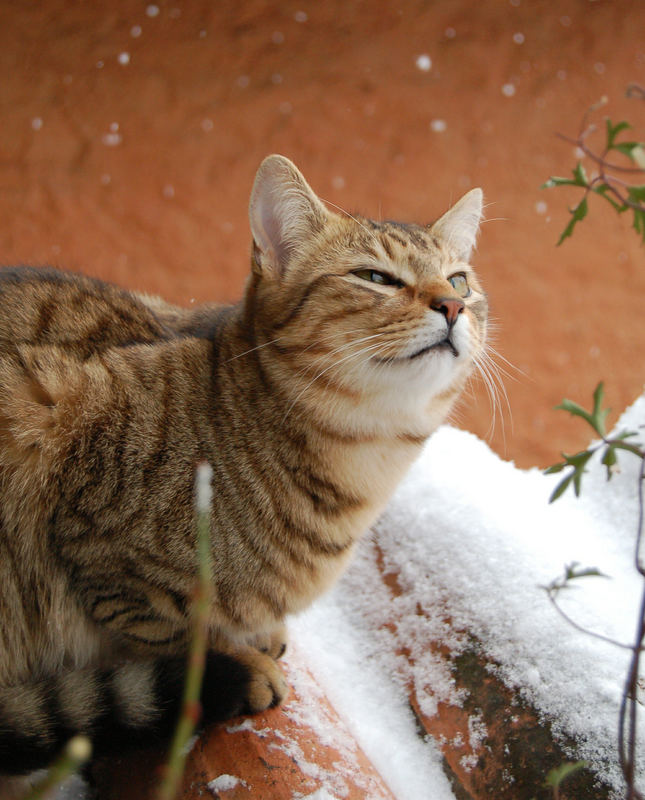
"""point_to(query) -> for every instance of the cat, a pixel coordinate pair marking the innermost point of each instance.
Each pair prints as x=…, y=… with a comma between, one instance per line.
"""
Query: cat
x=310, y=398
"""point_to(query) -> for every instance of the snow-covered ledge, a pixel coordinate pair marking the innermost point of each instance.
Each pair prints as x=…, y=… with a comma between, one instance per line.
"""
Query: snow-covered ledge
x=467, y=542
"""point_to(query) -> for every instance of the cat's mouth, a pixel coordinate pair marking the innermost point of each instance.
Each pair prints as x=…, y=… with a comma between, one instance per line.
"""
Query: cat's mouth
x=444, y=344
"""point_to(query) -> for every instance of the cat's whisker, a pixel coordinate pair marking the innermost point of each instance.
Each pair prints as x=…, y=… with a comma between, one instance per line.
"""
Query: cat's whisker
x=347, y=214
x=507, y=373
x=490, y=375
x=253, y=349
x=280, y=338
x=344, y=346
x=335, y=365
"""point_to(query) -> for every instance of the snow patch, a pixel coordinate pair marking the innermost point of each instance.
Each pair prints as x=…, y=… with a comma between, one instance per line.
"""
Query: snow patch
x=471, y=541
x=224, y=783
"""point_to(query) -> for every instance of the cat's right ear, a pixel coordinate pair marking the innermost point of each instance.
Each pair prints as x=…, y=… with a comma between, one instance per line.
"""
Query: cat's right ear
x=283, y=211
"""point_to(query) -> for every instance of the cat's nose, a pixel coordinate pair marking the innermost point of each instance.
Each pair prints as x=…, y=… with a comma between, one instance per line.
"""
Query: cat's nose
x=450, y=307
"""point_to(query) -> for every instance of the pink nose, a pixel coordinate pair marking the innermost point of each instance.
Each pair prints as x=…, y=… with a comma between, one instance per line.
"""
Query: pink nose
x=450, y=307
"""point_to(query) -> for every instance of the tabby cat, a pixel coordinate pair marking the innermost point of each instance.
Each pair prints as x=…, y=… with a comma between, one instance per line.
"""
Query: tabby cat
x=310, y=399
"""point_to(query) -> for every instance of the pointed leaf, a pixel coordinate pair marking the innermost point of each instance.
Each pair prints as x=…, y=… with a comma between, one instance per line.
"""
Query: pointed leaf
x=635, y=151
x=604, y=190
x=636, y=193
x=610, y=460
x=638, y=155
x=614, y=130
x=561, y=488
x=580, y=176
x=599, y=414
x=577, y=215
x=638, y=223
x=554, y=468
x=575, y=410
x=555, y=181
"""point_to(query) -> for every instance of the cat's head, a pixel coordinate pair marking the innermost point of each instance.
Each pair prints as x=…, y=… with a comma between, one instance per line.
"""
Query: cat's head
x=356, y=307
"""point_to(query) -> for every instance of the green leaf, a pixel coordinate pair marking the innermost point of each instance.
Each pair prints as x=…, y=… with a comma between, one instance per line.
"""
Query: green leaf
x=580, y=175
x=638, y=223
x=635, y=151
x=575, y=410
x=561, y=488
x=599, y=414
x=556, y=181
x=577, y=215
x=578, y=462
x=638, y=155
x=596, y=419
x=636, y=193
x=610, y=460
x=579, y=179
x=614, y=130
x=555, y=468
x=604, y=190
x=573, y=572
x=555, y=777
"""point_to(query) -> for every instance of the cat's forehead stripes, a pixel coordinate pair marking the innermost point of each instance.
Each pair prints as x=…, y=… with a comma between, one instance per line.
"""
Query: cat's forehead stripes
x=406, y=244
x=403, y=234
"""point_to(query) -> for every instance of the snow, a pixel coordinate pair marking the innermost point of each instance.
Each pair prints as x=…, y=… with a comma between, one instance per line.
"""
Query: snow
x=224, y=783
x=473, y=540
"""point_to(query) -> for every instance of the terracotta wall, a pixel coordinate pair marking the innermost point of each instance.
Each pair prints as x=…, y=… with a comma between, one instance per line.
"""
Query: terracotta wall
x=131, y=132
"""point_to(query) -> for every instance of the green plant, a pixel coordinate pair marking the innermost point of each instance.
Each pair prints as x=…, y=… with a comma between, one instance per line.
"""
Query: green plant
x=609, y=183
x=558, y=775
x=611, y=180
x=76, y=753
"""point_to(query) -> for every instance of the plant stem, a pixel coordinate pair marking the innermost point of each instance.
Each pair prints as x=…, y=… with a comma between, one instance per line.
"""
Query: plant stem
x=627, y=750
x=77, y=751
x=191, y=707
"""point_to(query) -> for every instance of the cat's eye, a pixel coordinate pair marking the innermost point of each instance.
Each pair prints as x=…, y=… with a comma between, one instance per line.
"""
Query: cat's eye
x=374, y=276
x=459, y=283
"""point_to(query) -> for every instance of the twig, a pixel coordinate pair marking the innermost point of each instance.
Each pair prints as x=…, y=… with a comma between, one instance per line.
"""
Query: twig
x=627, y=751
x=600, y=160
x=77, y=751
x=191, y=707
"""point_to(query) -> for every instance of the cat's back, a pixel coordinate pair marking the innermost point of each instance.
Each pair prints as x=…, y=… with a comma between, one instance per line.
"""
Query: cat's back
x=83, y=315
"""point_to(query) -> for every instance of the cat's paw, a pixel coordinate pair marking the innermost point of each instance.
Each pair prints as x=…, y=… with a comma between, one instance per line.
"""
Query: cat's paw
x=273, y=643
x=240, y=681
x=266, y=687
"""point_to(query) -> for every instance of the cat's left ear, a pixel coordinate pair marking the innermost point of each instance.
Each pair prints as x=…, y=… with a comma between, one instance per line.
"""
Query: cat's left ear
x=459, y=226
x=283, y=211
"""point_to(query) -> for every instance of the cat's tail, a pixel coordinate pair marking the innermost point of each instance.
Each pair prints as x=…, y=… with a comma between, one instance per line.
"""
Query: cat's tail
x=121, y=709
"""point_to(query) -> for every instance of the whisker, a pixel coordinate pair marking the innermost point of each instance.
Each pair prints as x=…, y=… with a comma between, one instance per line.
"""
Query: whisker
x=347, y=214
x=253, y=349
x=513, y=367
x=335, y=365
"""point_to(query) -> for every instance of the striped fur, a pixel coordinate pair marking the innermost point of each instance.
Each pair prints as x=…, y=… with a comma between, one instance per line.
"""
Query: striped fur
x=309, y=398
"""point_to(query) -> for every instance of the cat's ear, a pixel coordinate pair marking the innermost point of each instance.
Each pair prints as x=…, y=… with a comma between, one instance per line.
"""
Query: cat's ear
x=459, y=226
x=283, y=211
